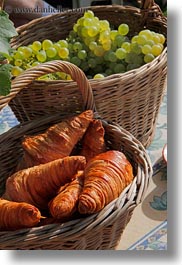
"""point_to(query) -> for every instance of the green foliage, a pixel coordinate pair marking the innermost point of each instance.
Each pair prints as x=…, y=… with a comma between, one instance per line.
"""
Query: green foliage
x=5, y=79
x=7, y=31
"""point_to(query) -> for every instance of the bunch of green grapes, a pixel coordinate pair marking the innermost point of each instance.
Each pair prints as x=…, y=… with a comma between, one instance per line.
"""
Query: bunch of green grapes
x=38, y=52
x=100, y=50
x=95, y=47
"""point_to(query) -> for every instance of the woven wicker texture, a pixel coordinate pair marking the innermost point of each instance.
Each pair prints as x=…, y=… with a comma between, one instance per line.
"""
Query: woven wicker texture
x=131, y=99
x=97, y=231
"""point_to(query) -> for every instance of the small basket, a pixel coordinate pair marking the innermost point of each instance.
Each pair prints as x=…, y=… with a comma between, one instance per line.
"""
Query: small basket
x=102, y=230
x=131, y=99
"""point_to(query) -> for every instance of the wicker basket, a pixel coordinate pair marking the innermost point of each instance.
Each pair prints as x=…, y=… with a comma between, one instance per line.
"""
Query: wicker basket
x=102, y=230
x=131, y=99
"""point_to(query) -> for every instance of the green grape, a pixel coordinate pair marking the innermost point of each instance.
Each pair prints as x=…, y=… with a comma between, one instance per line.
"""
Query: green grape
x=35, y=63
x=77, y=46
x=80, y=21
x=113, y=34
x=156, y=50
x=146, y=49
x=36, y=46
x=134, y=39
x=46, y=44
x=120, y=53
x=51, y=52
x=161, y=45
x=75, y=28
x=119, y=68
x=21, y=48
x=27, y=52
x=123, y=29
x=104, y=25
x=89, y=14
x=99, y=51
x=112, y=56
x=96, y=21
x=150, y=42
x=129, y=57
x=137, y=59
x=75, y=60
x=63, y=43
x=108, y=72
x=132, y=66
x=18, y=62
x=162, y=38
x=68, y=77
x=119, y=39
x=156, y=38
x=136, y=48
x=84, y=32
x=82, y=54
x=70, y=46
x=92, y=63
x=88, y=22
x=92, y=45
x=149, y=58
x=106, y=56
x=104, y=36
x=72, y=35
x=62, y=75
x=126, y=46
x=142, y=39
x=146, y=32
x=92, y=31
x=41, y=56
x=18, y=55
x=57, y=46
x=16, y=70
x=63, y=53
x=98, y=76
x=87, y=42
x=107, y=45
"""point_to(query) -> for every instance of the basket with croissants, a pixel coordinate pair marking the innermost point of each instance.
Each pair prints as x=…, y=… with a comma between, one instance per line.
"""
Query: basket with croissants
x=65, y=171
x=69, y=180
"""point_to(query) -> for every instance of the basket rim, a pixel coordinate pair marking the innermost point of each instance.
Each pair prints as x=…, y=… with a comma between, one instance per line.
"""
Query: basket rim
x=147, y=7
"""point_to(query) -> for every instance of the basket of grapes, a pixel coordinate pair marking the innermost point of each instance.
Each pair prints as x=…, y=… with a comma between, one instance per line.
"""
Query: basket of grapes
x=121, y=49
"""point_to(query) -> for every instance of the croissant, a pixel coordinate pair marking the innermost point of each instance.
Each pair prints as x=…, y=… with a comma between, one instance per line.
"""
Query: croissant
x=38, y=185
x=58, y=141
x=16, y=215
x=106, y=175
x=93, y=142
x=64, y=205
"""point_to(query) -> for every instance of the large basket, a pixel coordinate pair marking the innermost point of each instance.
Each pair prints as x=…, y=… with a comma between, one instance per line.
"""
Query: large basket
x=131, y=99
x=102, y=230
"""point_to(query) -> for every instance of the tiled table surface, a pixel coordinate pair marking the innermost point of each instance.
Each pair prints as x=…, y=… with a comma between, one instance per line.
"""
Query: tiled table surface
x=147, y=229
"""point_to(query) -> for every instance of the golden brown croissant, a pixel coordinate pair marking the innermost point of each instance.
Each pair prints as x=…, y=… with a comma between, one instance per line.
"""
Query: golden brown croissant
x=93, y=141
x=59, y=140
x=16, y=215
x=65, y=203
x=106, y=175
x=38, y=185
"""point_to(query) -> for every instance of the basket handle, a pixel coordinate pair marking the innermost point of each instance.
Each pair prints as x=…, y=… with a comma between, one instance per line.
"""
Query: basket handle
x=151, y=9
x=147, y=4
x=28, y=76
